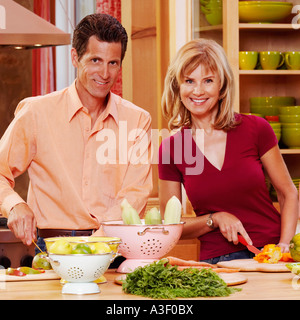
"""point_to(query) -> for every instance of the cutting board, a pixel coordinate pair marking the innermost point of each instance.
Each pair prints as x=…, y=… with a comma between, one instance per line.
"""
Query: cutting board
x=231, y=279
x=47, y=275
x=253, y=265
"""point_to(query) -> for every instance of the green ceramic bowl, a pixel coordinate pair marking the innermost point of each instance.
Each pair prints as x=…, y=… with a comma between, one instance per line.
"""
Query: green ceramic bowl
x=290, y=125
x=213, y=15
x=264, y=11
x=273, y=100
x=291, y=137
x=275, y=125
x=265, y=110
x=289, y=109
x=254, y=114
x=278, y=135
x=291, y=118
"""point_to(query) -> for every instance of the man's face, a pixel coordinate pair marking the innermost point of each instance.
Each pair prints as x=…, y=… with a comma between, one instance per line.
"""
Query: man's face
x=97, y=69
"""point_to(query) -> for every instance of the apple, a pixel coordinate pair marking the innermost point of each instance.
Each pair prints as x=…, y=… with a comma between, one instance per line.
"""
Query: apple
x=100, y=247
x=60, y=246
x=81, y=248
x=40, y=261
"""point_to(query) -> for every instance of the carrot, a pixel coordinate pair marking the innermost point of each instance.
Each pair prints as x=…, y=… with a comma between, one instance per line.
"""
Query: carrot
x=218, y=270
x=173, y=261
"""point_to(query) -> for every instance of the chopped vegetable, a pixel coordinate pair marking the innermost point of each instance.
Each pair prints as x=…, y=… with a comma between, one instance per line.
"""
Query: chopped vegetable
x=172, y=211
x=129, y=214
x=286, y=257
x=270, y=254
x=15, y=272
x=153, y=216
x=160, y=281
x=28, y=270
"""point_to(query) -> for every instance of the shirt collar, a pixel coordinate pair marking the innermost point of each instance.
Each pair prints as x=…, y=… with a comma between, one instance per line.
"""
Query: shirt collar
x=75, y=104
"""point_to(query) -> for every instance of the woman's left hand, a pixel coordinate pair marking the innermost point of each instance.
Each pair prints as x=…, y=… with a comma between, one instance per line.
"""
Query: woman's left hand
x=284, y=247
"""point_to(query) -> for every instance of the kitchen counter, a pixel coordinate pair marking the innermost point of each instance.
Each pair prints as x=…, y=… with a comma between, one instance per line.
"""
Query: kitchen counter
x=260, y=286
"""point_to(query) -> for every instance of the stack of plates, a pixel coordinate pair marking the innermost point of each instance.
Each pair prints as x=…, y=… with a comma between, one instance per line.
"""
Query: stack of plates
x=273, y=193
x=296, y=182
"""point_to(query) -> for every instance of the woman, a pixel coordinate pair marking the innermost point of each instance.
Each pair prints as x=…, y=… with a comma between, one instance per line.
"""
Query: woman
x=228, y=190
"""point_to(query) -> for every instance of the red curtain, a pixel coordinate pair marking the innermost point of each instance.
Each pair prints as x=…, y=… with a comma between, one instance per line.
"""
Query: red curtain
x=112, y=7
x=43, y=64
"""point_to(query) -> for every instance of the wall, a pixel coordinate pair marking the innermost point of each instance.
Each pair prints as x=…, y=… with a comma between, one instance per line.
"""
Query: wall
x=15, y=85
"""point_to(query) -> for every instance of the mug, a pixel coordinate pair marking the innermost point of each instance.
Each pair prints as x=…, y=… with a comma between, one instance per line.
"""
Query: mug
x=292, y=60
x=248, y=60
x=271, y=60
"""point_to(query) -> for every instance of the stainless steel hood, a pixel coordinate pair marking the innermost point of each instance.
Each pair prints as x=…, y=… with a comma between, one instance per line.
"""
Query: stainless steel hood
x=21, y=28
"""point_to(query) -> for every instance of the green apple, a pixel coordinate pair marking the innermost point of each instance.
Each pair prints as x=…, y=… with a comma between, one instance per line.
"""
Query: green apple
x=81, y=248
x=40, y=261
x=100, y=247
x=60, y=246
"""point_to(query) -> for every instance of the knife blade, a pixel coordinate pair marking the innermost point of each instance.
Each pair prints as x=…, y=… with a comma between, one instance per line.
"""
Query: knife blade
x=249, y=246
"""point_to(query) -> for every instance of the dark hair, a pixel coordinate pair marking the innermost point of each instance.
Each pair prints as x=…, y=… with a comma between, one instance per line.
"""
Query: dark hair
x=104, y=27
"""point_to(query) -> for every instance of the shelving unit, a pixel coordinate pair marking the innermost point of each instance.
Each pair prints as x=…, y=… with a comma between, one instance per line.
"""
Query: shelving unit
x=235, y=37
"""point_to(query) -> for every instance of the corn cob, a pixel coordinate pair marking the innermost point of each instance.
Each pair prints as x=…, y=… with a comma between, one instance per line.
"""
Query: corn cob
x=129, y=214
x=153, y=216
x=172, y=211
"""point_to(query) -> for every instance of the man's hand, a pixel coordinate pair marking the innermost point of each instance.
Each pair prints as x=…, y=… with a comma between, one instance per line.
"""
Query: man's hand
x=22, y=223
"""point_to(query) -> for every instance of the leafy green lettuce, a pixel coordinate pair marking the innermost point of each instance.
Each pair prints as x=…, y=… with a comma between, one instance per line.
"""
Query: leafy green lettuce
x=160, y=281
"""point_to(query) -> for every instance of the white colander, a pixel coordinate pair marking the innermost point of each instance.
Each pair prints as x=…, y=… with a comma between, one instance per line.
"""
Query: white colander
x=142, y=244
x=80, y=270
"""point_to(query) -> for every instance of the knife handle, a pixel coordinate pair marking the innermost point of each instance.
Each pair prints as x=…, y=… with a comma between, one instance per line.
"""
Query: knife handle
x=242, y=240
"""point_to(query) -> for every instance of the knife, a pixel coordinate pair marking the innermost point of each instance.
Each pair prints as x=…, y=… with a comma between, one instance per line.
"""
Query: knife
x=249, y=246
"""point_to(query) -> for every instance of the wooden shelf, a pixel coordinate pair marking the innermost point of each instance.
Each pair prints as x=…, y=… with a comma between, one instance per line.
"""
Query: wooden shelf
x=269, y=72
x=209, y=28
x=290, y=151
x=267, y=26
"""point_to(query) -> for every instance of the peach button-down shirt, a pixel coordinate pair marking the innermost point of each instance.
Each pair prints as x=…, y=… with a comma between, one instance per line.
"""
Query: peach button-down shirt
x=78, y=175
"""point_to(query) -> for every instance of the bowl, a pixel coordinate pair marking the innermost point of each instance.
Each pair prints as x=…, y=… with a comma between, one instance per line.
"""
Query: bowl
x=142, y=244
x=265, y=110
x=291, y=137
x=80, y=270
x=290, y=118
x=113, y=242
x=290, y=125
x=278, y=135
x=272, y=118
x=289, y=109
x=275, y=125
x=273, y=100
x=253, y=114
x=264, y=11
x=213, y=14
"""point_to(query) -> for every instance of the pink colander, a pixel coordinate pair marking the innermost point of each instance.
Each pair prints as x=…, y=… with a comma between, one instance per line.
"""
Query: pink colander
x=142, y=244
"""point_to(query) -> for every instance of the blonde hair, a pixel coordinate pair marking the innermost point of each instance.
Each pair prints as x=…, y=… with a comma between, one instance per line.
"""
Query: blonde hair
x=189, y=57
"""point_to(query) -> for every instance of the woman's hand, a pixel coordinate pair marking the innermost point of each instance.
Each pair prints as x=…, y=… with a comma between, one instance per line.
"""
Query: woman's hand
x=230, y=226
x=284, y=247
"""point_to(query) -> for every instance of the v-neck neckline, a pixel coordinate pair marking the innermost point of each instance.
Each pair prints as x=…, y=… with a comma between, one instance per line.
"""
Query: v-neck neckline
x=225, y=153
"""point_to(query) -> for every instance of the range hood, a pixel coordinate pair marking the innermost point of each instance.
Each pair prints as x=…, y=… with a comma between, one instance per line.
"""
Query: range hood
x=22, y=29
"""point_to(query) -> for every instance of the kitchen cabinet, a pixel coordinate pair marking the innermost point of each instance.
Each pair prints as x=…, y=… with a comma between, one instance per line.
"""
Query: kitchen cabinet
x=235, y=37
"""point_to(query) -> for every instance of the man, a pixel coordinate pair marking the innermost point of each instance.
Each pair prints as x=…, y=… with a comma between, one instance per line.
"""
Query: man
x=84, y=147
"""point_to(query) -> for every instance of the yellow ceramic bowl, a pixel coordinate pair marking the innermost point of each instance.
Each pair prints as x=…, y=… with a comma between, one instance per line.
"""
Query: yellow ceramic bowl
x=264, y=11
x=113, y=242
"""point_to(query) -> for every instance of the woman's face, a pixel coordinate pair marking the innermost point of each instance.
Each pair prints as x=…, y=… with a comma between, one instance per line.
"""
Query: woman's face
x=200, y=92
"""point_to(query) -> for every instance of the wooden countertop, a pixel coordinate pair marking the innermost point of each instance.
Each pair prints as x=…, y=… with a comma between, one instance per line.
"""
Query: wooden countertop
x=260, y=286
